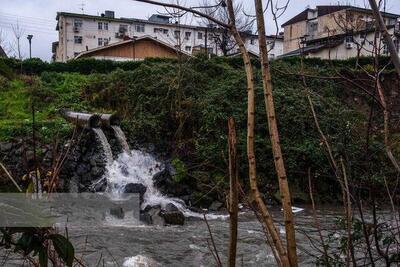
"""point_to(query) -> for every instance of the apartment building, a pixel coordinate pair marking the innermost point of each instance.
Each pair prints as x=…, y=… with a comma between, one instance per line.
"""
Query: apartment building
x=81, y=32
x=335, y=32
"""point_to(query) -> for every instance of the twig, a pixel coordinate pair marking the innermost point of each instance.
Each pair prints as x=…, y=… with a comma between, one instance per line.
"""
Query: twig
x=219, y=264
x=10, y=177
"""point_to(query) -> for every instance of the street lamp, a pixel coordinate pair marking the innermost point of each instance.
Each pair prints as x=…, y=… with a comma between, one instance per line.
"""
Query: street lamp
x=30, y=36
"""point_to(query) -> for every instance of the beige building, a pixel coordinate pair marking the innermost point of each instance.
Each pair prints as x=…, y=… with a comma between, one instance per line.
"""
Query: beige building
x=334, y=32
x=80, y=32
x=134, y=49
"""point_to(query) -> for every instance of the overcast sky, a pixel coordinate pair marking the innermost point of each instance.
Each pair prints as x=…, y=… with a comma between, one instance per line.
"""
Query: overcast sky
x=37, y=17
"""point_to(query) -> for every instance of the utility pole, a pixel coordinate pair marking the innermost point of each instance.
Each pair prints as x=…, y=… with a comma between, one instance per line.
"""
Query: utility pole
x=30, y=36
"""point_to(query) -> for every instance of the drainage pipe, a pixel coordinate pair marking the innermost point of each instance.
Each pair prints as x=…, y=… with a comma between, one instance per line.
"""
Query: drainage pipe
x=108, y=120
x=82, y=119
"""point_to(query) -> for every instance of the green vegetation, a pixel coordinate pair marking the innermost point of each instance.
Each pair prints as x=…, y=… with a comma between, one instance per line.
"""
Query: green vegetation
x=186, y=116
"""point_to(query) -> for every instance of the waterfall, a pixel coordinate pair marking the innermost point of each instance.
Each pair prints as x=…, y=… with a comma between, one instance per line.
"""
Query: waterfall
x=104, y=144
x=121, y=138
x=139, y=167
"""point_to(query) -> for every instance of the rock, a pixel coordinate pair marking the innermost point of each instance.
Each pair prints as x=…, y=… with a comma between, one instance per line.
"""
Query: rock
x=136, y=188
x=117, y=212
x=145, y=217
x=156, y=219
x=215, y=206
x=171, y=207
x=82, y=169
x=4, y=147
x=96, y=172
x=173, y=217
x=152, y=215
x=100, y=186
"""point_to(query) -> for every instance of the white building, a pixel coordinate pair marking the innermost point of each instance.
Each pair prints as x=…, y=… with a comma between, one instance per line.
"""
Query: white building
x=81, y=32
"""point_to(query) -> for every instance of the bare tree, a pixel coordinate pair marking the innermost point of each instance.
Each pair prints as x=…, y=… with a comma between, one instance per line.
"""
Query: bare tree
x=221, y=36
x=3, y=44
x=18, y=32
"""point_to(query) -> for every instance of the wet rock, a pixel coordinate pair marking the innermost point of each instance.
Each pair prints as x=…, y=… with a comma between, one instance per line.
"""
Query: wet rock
x=82, y=169
x=96, y=171
x=145, y=217
x=173, y=217
x=136, y=188
x=171, y=207
x=153, y=216
x=215, y=206
x=4, y=147
x=117, y=212
x=100, y=186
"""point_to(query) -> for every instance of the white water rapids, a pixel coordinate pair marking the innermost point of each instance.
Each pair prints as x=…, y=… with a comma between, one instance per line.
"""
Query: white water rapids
x=140, y=167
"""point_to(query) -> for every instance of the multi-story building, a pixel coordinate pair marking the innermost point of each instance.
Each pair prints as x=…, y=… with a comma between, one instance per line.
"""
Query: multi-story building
x=335, y=32
x=81, y=32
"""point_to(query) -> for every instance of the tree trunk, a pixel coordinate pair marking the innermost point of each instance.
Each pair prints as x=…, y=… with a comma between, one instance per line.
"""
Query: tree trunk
x=233, y=192
x=274, y=137
x=267, y=219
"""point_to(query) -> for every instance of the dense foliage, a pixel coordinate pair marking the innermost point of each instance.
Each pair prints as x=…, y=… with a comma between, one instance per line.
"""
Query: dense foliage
x=182, y=109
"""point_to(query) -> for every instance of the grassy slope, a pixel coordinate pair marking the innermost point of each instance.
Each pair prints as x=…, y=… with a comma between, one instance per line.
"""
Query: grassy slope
x=187, y=119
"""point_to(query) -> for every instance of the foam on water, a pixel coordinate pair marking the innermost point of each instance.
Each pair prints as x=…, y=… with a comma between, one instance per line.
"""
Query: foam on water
x=140, y=167
x=139, y=261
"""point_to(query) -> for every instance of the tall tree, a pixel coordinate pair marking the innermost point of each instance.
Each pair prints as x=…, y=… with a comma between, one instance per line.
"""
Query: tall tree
x=274, y=137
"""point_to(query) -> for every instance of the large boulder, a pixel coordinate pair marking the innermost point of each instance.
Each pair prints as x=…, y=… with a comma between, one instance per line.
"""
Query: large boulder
x=117, y=212
x=137, y=189
x=173, y=217
x=152, y=215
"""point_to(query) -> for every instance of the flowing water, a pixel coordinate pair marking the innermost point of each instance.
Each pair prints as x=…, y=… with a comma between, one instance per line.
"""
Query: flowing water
x=104, y=144
x=121, y=138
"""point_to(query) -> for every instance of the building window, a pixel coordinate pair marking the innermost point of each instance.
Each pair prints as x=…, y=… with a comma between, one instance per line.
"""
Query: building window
x=156, y=30
x=105, y=26
x=199, y=35
x=100, y=41
x=139, y=27
x=105, y=41
x=77, y=39
x=187, y=35
x=177, y=34
x=188, y=48
x=123, y=28
x=363, y=35
x=100, y=25
x=252, y=41
x=78, y=23
x=165, y=31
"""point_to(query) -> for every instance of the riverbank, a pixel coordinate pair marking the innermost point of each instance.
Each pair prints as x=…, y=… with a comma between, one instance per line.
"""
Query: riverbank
x=182, y=120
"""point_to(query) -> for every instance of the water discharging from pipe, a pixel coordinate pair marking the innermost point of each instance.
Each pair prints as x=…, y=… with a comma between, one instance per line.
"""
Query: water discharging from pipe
x=140, y=167
x=121, y=138
x=104, y=144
